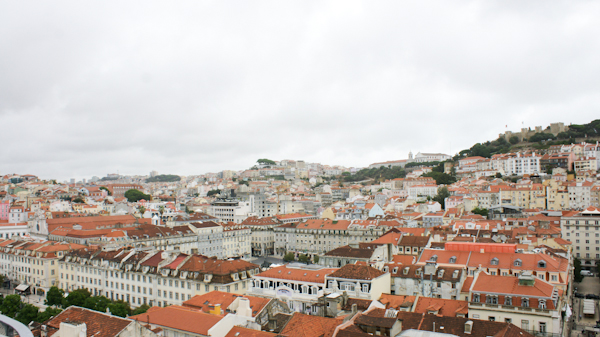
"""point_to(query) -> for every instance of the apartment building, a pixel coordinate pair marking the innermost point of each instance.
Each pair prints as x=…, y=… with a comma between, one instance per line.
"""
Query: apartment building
x=151, y=277
x=583, y=230
x=33, y=263
x=526, y=301
x=318, y=236
x=298, y=285
x=237, y=240
x=230, y=210
x=263, y=234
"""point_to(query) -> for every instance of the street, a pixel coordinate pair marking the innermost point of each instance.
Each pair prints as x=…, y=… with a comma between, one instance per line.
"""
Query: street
x=589, y=285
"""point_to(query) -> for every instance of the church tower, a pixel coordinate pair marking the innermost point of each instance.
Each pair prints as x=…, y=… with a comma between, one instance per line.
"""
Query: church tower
x=410, y=155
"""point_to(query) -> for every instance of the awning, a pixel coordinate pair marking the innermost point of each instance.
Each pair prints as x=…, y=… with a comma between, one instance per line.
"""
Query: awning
x=22, y=287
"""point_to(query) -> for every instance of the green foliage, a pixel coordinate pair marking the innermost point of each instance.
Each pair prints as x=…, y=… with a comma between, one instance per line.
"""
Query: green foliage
x=346, y=174
x=213, y=192
x=289, y=257
x=98, y=303
x=379, y=173
x=106, y=189
x=47, y=314
x=441, y=196
x=480, y=211
x=316, y=259
x=163, y=178
x=28, y=313
x=134, y=195
x=538, y=137
x=119, y=308
x=11, y=305
x=303, y=258
x=54, y=296
x=427, y=163
x=481, y=151
x=141, y=309
x=498, y=175
x=265, y=161
x=76, y=297
x=577, y=277
x=441, y=178
x=78, y=200
x=513, y=140
x=2, y=279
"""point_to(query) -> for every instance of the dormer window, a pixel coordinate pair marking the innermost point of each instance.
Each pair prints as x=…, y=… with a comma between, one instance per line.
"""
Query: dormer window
x=542, y=264
x=475, y=297
x=452, y=259
x=433, y=258
x=395, y=270
x=494, y=261
x=385, y=269
x=440, y=273
x=518, y=263
x=542, y=304
x=455, y=274
x=525, y=302
x=405, y=271
x=508, y=300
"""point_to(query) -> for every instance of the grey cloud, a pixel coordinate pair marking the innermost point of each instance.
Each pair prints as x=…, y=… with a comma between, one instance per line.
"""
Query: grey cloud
x=95, y=87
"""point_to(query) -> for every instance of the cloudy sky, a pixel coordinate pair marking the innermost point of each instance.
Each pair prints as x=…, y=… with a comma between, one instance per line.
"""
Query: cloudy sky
x=95, y=87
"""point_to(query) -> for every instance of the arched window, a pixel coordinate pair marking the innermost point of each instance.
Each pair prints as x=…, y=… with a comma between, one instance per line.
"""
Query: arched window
x=495, y=261
x=518, y=263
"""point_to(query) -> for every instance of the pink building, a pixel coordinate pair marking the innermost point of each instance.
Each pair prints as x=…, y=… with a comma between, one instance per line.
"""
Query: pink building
x=4, y=210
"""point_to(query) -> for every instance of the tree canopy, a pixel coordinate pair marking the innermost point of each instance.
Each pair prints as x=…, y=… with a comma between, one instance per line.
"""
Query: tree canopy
x=134, y=195
x=441, y=196
x=164, y=178
x=265, y=161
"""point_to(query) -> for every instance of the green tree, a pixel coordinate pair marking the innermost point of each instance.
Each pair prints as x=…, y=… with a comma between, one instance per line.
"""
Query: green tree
x=265, y=161
x=141, y=309
x=54, y=296
x=28, y=313
x=288, y=257
x=480, y=211
x=161, y=210
x=11, y=305
x=213, y=192
x=441, y=178
x=98, y=303
x=106, y=189
x=441, y=196
x=480, y=150
x=78, y=200
x=47, y=314
x=142, y=210
x=498, y=175
x=316, y=259
x=77, y=297
x=134, y=195
x=119, y=308
x=513, y=140
x=577, y=270
x=303, y=258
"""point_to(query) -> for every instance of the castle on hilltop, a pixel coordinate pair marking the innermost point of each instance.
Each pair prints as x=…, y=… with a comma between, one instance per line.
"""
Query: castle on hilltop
x=554, y=128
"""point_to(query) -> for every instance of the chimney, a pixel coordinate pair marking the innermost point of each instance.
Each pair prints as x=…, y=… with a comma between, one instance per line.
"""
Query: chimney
x=468, y=327
x=243, y=308
x=354, y=308
x=72, y=329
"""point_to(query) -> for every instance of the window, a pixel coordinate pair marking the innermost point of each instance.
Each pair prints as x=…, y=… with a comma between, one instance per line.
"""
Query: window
x=525, y=324
x=494, y=261
x=475, y=297
x=518, y=263
x=542, y=327
x=492, y=318
x=508, y=300
x=525, y=302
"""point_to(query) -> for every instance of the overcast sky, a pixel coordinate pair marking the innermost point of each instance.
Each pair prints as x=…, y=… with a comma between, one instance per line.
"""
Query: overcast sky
x=95, y=87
